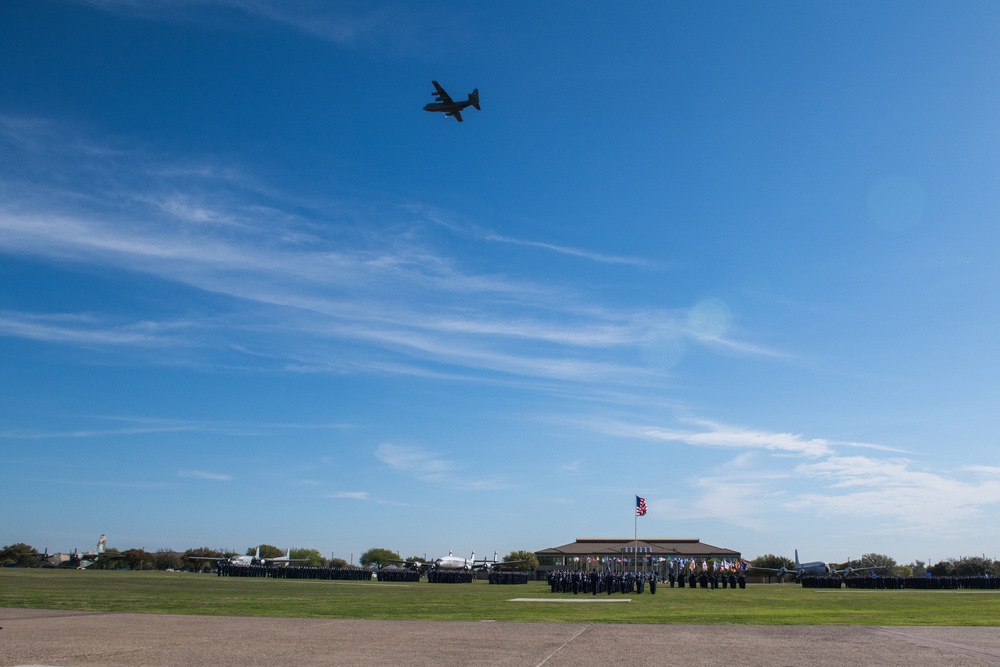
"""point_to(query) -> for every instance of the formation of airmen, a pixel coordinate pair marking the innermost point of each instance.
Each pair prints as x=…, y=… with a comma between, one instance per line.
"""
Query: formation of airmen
x=899, y=583
x=224, y=569
x=596, y=582
x=449, y=576
x=503, y=577
x=322, y=573
x=680, y=573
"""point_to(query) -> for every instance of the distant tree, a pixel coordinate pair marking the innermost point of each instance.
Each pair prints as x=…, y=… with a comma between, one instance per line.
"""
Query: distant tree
x=266, y=551
x=199, y=565
x=942, y=568
x=338, y=562
x=315, y=558
x=529, y=561
x=771, y=562
x=918, y=568
x=904, y=571
x=378, y=557
x=970, y=566
x=137, y=559
x=167, y=559
x=20, y=554
x=886, y=565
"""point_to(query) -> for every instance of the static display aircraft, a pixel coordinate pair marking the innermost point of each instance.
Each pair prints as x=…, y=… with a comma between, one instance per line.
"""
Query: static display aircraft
x=452, y=562
x=233, y=560
x=76, y=560
x=245, y=561
x=450, y=107
x=816, y=568
x=287, y=558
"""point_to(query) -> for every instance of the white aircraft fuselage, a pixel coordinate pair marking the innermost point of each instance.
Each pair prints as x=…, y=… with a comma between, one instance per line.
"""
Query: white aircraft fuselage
x=450, y=562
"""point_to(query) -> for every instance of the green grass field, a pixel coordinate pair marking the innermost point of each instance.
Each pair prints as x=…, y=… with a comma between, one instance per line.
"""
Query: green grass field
x=182, y=593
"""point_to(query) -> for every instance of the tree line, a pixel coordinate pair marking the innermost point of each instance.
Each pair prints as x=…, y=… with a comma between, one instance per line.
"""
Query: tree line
x=24, y=555
x=966, y=566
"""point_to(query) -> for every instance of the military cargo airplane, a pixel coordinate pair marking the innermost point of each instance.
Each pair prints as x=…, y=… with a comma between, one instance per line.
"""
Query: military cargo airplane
x=233, y=560
x=450, y=107
x=244, y=561
x=816, y=568
x=452, y=562
x=287, y=558
x=76, y=560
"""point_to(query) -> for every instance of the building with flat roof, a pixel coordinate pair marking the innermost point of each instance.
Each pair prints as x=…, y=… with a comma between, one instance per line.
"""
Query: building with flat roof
x=588, y=553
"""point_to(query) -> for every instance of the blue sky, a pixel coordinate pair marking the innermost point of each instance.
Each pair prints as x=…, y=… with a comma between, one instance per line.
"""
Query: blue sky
x=737, y=258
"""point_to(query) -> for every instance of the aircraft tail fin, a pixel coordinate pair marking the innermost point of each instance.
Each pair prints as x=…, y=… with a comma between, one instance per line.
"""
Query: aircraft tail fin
x=797, y=559
x=474, y=98
x=102, y=543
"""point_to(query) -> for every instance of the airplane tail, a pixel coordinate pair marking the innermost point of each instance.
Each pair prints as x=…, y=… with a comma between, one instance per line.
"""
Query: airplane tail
x=797, y=566
x=102, y=543
x=474, y=98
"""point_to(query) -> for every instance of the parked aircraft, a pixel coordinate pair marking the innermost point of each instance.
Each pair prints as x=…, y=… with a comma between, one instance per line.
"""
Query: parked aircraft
x=243, y=561
x=76, y=560
x=233, y=560
x=287, y=558
x=452, y=562
x=450, y=107
x=816, y=568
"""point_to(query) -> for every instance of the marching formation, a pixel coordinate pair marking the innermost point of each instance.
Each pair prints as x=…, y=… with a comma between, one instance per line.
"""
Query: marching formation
x=320, y=573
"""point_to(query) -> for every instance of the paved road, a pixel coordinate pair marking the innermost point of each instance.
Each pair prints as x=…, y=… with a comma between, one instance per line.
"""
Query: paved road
x=83, y=639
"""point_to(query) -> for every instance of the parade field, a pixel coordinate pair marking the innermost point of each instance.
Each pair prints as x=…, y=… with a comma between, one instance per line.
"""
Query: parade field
x=206, y=594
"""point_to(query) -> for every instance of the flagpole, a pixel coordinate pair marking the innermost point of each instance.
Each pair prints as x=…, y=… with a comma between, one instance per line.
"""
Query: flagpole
x=635, y=538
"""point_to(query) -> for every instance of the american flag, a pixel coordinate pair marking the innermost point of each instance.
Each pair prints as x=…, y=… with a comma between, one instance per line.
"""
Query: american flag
x=640, y=506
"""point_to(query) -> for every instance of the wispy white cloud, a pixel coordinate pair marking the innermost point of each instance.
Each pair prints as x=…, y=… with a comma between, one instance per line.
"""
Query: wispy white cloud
x=720, y=435
x=470, y=230
x=204, y=474
x=891, y=490
x=393, y=28
x=425, y=466
x=130, y=426
x=894, y=491
x=731, y=499
x=291, y=273
x=349, y=495
x=434, y=468
x=86, y=329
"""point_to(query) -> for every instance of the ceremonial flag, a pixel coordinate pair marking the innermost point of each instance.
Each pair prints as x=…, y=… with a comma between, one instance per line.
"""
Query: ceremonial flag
x=640, y=506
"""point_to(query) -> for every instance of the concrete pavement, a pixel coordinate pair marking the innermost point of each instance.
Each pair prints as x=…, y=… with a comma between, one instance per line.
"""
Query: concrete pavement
x=88, y=639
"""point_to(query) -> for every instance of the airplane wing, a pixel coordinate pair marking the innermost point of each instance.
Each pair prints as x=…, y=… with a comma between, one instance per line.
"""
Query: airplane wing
x=411, y=564
x=441, y=95
x=457, y=114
